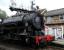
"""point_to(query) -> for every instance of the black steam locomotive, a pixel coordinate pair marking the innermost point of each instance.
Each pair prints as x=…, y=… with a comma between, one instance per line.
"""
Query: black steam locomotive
x=25, y=25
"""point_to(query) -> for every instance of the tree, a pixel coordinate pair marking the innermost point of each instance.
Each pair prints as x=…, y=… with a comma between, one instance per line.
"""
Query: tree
x=2, y=14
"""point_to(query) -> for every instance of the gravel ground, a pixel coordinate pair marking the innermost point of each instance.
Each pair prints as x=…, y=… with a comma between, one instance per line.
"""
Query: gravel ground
x=17, y=46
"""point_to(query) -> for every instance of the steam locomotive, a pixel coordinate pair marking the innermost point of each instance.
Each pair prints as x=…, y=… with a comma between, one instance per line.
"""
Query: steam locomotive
x=27, y=26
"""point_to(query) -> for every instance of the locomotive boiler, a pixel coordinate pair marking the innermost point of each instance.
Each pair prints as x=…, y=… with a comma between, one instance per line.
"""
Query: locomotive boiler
x=27, y=26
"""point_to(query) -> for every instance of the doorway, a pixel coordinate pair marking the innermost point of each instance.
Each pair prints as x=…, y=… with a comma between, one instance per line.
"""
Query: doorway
x=58, y=32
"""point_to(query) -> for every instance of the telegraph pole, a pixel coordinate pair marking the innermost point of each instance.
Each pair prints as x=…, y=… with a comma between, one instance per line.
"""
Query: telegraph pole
x=32, y=5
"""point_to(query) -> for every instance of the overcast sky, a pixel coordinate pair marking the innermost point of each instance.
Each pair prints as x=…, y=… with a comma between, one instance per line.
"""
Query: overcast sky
x=48, y=4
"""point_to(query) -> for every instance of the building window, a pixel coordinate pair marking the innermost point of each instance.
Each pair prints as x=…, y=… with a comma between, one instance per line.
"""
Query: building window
x=49, y=19
x=61, y=17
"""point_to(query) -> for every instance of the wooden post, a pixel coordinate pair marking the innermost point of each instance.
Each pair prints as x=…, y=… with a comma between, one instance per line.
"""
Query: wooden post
x=62, y=32
x=55, y=34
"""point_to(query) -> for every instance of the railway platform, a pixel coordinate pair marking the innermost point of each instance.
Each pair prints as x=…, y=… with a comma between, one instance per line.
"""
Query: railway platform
x=59, y=41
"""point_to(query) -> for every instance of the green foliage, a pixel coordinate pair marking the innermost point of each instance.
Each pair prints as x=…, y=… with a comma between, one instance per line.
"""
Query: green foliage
x=2, y=14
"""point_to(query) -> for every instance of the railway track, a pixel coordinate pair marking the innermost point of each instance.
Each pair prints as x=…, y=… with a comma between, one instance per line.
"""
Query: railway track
x=12, y=45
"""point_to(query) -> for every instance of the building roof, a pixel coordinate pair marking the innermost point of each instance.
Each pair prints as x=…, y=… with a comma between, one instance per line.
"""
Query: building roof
x=55, y=12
